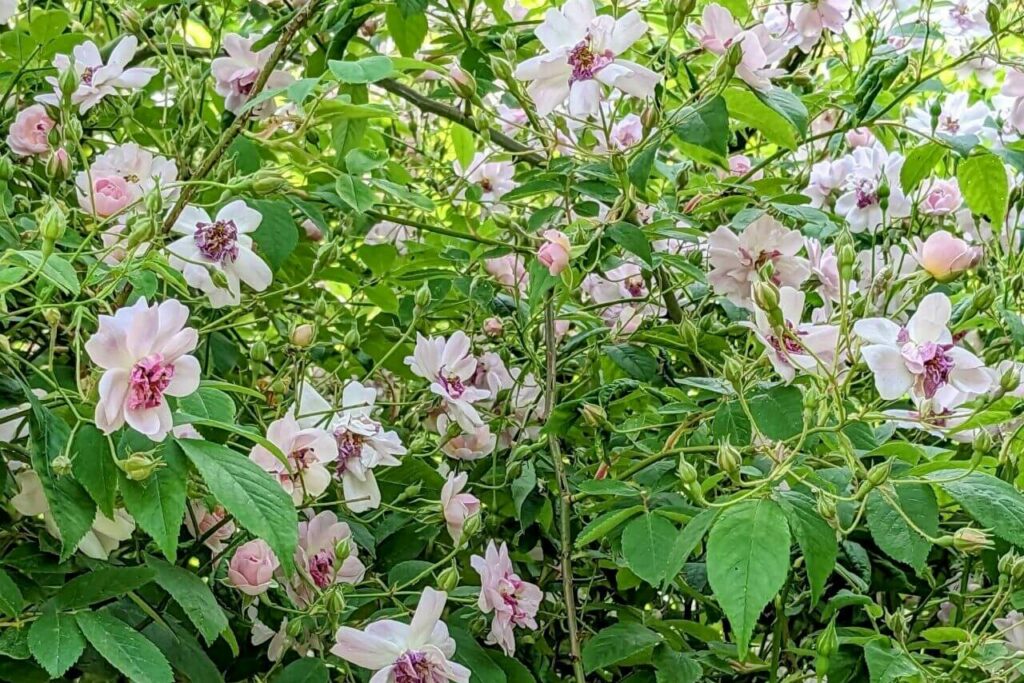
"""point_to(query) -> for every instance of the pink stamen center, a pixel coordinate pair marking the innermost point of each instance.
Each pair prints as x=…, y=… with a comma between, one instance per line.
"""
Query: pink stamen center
x=452, y=384
x=149, y=379
x=217, y=241
x=414, y=667
x=350, y=446
x=321, y=568
x=586, y=63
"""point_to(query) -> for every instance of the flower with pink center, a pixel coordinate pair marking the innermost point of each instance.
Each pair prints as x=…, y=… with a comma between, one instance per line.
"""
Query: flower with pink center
x=360, y=441
x=957, y=117
x=208, y=524
x=965, y=20
x=921, y=357
x=944, y=256
x=449, y=367
x=236, y=74
x=509, y=270
x=308, y=453
x=491, y=374
x=418, y=652
x=626, y=133
x=29, y=134
x=583, y=53
x=494, y=178
x=122, y=177
x=941, y=197
x=96, y=80
x=397, y=234
x=556, y=251
x=797, y=346
x=825, y=268
x=317, y=558
x=143, y=351
x=251, y=569
x=861, y=200
x=457, y=506
x=222, y=245
x=109, y=195
x=810, y=19
x=736, y=260
x=513, y=601
x=827, y=180
x=719, y=31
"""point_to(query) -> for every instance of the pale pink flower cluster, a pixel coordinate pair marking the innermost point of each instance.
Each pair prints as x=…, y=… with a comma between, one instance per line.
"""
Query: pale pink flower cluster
x=718, y=31
x=513, y=601
x=119, y=179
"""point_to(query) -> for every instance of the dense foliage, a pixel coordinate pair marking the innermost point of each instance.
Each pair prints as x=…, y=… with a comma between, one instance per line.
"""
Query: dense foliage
x=408, y=342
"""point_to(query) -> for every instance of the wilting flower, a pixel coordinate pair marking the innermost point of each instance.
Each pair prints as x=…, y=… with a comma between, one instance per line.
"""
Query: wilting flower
x=29, y=134
x=737, y=259
x=387, y=232
x=237, y=73
x=941, y=197
x=796, y=346
x=201, y=520
x=509, y=270
x=307, y=451
x=143, y=350
x=96, y=80
x=252, y=567
x=826, y=180
x=861, y=202
x=222, y=246
x=121, y=177
x=361, y=441
x=556, y=251
x=920, y=358
x=472, y=445
x=1012, y=629
x=418, y=652
x=318, y=559
x=494, y=178
x=945, y=256
x=514, y=602
x=582, y=54
x=719, y=31
x=448, y=365
x=103, y=537
x=456, y=506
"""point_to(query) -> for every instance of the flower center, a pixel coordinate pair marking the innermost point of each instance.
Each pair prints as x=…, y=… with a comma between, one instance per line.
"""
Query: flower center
x=788, y=344
x=866, y=190
x=585, y=62
x=950, y=124
x=414, y=667
x=302, y=458
x=350, y=446
x=246, y=80
x=452, y=384
x=149, y=378
x=485, y=184
x=509, y=588
x=87, y=75
x=635, y=286
x=321, y=568
x=931, y=362
x=218, y=241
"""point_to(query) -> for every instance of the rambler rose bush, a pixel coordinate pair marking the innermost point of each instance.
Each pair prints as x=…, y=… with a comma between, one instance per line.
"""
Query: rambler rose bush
x=419, y=342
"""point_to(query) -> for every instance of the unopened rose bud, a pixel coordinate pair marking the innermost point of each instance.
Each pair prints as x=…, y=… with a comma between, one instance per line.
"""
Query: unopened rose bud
x=155, y=202
x=493, y=327
x=593, y=414
x=471, y=526
x=302, y=335
x=448, y=580
x=139, y=466
x=766, y=296
x=733, y=56
x=501, y=68
x=423, y=296
x=826, y=508
x=828, y=641
x=312, y=230
x=729, y=460
x=687, y=472
x=984, y=298
x=1009, y=381
x=462, y=82
x=68, y=82
x=268, y=184
x=335, y=601
x=258, y=351
x=650, y=117
x=6, y=168
x=61, y=465
x=982, y=442
x=320, y=307
x=52, y=317
x=352, y=339
x=53, y=223
x=295, y=628
x=733, y=371
x=342, y=550
x=879, y=474
x=897, y=623
x=58, y=166
x=509, y=43
x=971, y=541
x=219, y=279
x=1006, y=563
x=132, y=19
x=847, y=262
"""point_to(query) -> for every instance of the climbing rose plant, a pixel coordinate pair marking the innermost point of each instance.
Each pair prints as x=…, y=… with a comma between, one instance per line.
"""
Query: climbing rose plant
x=654, y=341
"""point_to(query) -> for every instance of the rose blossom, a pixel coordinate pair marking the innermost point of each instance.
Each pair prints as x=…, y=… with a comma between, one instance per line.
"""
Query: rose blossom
x=493, y=327
x=625, y=134
x=143, y=349
x=494, y=178
x=387, y=232
x=810, y=19
x=944, y=256
x=826, y=180
x=718, y=31
x=236, y=74
x=514, y=602
x=206, y=519
x=472, y=445
x=96, y=80
x=456, y=506
x=861, y=201
x=556, y=251
x=316, y=557
x=920, y=358
x=740, y=165
x=449, y=367
x=737, y=260
x=221, y=245
x=583, y=52
x=509, y=270
x=802, y=347
x=308, y=452
x=418, y=652
x=29, y=133
x=957, y=117
x=860, y=137
x=123, y=176
x=941, y=197
x=252, y=567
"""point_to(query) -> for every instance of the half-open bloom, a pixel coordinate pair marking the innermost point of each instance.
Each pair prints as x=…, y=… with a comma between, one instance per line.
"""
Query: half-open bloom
x=236, y=74
x=308, y=452
x=513, y=601
x=96, y=80
x=457, y=506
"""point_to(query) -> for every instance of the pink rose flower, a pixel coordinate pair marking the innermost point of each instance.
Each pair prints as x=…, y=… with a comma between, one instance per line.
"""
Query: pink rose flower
x=941, y=198
x=860, y=137
x=252, y=567
x=457, y=506
x=493, y=327
x=29, y=132
x=509, y=270
x=97, y=79
x=143, y=350
x=944, y=256
x=555, y=253
x=205, y=520
x=449, y=367
x=236, y=74
x=110, y=195
x=318, y=560
x=308, y=452
x=513, y=601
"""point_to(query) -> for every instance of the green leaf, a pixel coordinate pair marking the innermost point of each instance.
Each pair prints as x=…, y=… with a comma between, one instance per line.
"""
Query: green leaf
x=277, y=235
x=359, y=161
x=11, y=600
x=731, y=424
x=684, y=543
x=632, y=239
x=48, y=24
x=194, y=596
x=72, y=508
x=208, y=404
x=995, y=504
x=305, y=670
x=644, y=541
x=675, y=667
x=249, y=494
x=127, y=651
x=616, y=643
x=919, y=164
x=635, y=361
x=366, y=70
x=747, y=561
x=101, y=584
x=464, y=144
x=523, y=485
x=605, y=523
x=469, y=653
x=886, y=664
x=747, y=108
x=158, y=502
x=56, y=269
x=704, y=130
x=778, y=413
x=55, y=641
x=183, y=651
x=985, y=188
x=541, y=281
x=408, y=32
x=14, y=643
x=817, y=540
x=354, y=192
x=890, y=530
x=787, y=105
x=94, y=467
x=641, y=164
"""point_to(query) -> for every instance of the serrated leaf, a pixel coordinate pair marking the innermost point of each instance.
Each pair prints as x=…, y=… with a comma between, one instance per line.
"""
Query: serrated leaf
x=158, y=502
x=605, y=523
x=408, y=31
x=93, y=464
x=469, y=653
x=919, y=164
x=675, y=667
x=891, y=532
x=685, y=543
x=365, y=70
x=11, y=599
x=55, y=642
x=193, y=595
x=995, y=504
x=703, y=130
x=632, y=239
x=616, y=643
x=644, y=541
x=635, y=361
x=817, y=540
x=278, y=235
x=747, y=108
x=779, y=412
x=101, y=584
x=124, y=648
x=985, y=187
x=209, y=404
x=887, y=664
